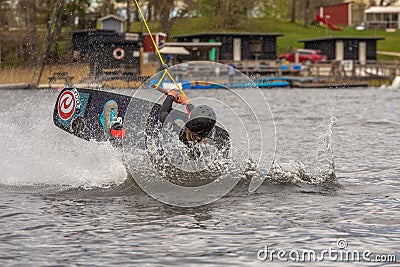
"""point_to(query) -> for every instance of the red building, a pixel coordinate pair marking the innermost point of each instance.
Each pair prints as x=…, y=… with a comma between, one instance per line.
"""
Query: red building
x=337, y=14
x=149, y=51
x=148, y=45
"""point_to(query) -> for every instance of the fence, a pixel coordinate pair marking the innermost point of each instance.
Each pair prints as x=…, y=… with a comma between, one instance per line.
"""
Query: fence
x=357, y=70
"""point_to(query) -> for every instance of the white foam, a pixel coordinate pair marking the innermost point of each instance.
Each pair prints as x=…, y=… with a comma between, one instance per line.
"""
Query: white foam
x=34, y=151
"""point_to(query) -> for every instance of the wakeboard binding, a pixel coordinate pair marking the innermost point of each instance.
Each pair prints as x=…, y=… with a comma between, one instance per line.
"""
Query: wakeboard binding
x=112, y=124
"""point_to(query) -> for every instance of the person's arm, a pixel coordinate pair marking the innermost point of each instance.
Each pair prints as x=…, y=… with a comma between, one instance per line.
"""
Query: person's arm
x=166, y=108
x=173, y=96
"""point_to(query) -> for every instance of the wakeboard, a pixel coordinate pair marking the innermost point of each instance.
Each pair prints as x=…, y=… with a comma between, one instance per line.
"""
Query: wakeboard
x=90, y=114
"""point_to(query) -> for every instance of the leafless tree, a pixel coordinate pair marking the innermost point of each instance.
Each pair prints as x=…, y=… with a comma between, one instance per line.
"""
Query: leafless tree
x=232, y=13
x=128, y=16
x=307, y=13
x=382, y=2
x=293, y=11
x=165, y=8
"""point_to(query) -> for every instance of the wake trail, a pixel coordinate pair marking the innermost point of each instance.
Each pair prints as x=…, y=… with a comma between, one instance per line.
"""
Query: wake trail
x=35, y=152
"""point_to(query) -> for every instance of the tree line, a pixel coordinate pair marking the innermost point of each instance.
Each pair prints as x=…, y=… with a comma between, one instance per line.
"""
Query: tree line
x=23, y=22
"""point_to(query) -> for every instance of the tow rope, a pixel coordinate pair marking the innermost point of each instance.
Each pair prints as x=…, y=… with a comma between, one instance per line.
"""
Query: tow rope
x=166, y=72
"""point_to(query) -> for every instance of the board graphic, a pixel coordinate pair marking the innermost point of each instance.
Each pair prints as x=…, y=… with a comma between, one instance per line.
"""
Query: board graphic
x=86, y=113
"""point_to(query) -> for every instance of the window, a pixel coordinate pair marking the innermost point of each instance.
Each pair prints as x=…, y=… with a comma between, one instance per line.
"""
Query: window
x=386, y=17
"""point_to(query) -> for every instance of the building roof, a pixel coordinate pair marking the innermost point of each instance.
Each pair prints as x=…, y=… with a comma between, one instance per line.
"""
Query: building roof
x=383, y=9
x=111, y=17
x=174, y=50
x=94, y=31
x=228, y=34
x=155, y=33
x=341, y=38
x=192, y=44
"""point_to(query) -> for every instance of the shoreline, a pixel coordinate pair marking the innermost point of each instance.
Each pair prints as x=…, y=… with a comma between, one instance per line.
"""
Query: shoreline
x=21, y=79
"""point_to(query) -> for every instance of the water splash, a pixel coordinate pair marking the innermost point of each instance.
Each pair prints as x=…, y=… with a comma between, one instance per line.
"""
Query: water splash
x=327, y=156
x=174, y=161
x=35, y=152
x=294, y=172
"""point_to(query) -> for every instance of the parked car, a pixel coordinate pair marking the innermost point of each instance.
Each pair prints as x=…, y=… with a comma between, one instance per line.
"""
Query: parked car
x=305, y=55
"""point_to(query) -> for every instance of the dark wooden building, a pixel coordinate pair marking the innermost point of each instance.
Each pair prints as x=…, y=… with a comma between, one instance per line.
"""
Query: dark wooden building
x=108, y=50
x=345, y=48
x=235, y=46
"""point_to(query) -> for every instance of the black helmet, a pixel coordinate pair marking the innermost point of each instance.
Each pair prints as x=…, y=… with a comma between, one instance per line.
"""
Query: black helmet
x=202, y=120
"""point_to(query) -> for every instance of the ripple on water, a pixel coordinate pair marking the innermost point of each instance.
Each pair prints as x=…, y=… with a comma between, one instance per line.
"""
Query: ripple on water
x=49, y=218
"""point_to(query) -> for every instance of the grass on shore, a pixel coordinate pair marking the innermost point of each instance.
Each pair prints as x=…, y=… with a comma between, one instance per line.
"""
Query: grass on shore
x=24, y=75
x=292, y=32
x=76, y=70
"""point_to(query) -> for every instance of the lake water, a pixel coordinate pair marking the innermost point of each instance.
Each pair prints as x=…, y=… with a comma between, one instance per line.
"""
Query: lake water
x=68, y=202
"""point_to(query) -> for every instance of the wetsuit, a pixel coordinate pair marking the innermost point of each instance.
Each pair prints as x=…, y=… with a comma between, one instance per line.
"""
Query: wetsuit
x=166, y=108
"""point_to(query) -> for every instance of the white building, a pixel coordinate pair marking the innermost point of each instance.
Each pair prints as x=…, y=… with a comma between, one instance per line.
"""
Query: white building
x=379, y=17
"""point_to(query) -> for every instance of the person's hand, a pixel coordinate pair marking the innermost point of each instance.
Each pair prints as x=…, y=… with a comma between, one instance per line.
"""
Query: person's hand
x=182, y=99
x=174, y=93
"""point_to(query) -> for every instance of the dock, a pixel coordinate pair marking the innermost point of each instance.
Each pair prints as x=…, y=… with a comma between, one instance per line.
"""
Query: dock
x=330, y=84
x=16, y=86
